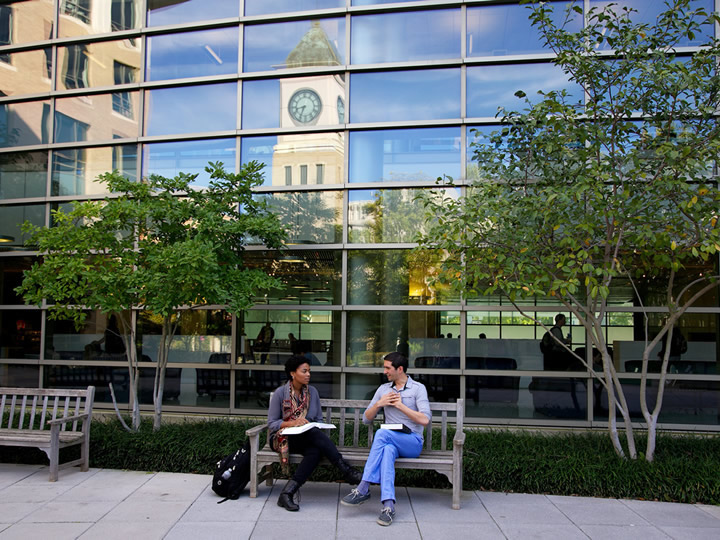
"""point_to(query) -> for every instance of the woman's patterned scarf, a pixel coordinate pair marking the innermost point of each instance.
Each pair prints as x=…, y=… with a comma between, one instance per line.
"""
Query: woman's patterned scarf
x=293, y=408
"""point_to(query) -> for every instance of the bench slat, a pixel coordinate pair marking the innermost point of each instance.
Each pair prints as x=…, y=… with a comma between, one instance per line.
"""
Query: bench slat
x=341, y=434
x=44, y=412
x=356, y=427
x=32, y=413
x=443, y=438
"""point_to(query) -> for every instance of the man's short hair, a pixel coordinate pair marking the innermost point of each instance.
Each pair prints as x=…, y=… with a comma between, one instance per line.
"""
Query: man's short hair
x=559, y=317
x=294, y=362
x=397, y=359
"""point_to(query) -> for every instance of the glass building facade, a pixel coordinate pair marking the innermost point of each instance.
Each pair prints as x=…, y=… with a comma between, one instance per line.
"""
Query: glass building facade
x=354, y=106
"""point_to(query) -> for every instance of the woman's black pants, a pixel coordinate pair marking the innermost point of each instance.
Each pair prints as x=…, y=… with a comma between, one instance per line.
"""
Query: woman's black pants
x=313, y=445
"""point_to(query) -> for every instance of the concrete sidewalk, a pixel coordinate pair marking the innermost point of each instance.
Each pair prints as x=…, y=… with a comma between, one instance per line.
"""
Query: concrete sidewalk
x=128, y=505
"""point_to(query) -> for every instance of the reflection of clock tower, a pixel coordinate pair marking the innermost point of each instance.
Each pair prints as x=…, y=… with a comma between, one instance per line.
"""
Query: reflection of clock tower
x=313, y=158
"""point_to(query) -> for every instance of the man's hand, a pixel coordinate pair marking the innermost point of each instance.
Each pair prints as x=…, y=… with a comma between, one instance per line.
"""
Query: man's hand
x=391, y=398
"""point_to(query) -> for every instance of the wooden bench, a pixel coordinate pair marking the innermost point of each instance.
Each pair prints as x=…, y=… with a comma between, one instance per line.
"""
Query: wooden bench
x=446, y=461
x=25, y=413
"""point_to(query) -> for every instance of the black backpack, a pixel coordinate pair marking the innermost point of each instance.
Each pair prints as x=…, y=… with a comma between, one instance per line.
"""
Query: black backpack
x=232, y=474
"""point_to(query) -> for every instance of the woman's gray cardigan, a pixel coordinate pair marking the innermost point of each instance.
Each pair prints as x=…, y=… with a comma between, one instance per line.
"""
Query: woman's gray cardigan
x=275, y=410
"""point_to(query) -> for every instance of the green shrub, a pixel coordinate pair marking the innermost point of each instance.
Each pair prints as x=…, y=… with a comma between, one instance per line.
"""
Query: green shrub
x=686, y=468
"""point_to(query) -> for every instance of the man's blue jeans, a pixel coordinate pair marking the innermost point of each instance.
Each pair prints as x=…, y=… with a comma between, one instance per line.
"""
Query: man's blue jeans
x=387, y=446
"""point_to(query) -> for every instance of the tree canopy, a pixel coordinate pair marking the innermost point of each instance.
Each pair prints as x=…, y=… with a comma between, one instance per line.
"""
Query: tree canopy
x=573, y=195
x=160, y=245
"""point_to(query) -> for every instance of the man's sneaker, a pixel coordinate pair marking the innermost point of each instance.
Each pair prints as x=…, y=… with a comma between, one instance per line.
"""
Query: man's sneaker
x=354, y=498
x=386, y=516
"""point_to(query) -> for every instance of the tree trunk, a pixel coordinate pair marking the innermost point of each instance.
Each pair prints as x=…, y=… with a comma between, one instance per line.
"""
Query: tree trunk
x=159, y=384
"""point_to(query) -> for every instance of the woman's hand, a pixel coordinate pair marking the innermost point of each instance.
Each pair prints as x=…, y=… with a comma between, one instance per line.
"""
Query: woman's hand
x=297, y=422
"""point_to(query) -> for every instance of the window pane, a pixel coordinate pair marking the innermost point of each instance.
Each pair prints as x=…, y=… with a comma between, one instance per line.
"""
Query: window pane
x=490, y=87
x=192, y=54
x=11, y=276
x=312, y=217
x=282, y=156
x=200, y=334
x=505, y=29
x=427, y=338
x=495, y=396
x=191, y=109
x=509, y=340
x=387, y=215
x=310, y=277
x=81, y=17
x=303, y=101
x=64, y=376
x=647, y=13
x=554, y=397
x=271, y=337
x=23, y=174
x=75, y=169
x=94, y=64
x=400, y=37
x=100, y=339
x=374, y=2
x=25, y=72
x=160, y=12
x=11, y=219
x=93, y=118
x=262, y=7
x=294, y=44
x=191, y=157
x=41, y=12
x=399, y=277
x=403, y=95
x=19, y=376
x=20, y=334
x=401, y=155
x=24, y=124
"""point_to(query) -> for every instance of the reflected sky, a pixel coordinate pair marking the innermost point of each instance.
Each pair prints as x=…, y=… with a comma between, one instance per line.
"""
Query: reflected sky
x=191, y=109
x=191, y=157
x=648, y=11
x=404, y=154
x=261, y=104
x=258, y=149
x=490, y=87
x=397, y=37
x=405, y=95
x=192, y=54
x=162, y=12
x=262, y=7
x=267, y=46
x=506, y=29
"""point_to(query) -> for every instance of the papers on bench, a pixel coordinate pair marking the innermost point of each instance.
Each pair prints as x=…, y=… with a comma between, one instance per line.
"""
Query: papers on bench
x=396, y=427
x=296, y=430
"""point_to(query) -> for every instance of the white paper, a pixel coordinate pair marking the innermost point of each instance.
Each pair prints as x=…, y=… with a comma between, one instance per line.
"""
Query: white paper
x=394, y=427
x=296, y=430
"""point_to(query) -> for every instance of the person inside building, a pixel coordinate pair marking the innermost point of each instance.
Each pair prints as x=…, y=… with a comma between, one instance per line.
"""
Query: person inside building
x=294, y=404
x=263, y=341
x=404, y=402
x=556, y=357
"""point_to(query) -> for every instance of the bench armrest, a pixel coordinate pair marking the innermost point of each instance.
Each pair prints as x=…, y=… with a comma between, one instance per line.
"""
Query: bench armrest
x=255, y=431
x=66, y=419
x=459, y=439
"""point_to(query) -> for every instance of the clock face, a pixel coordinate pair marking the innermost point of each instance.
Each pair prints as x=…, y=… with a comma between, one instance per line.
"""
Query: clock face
x=304, y=106
x=341, y=110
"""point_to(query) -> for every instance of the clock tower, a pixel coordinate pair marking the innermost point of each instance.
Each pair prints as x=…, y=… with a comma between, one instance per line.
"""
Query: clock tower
x=313, y=158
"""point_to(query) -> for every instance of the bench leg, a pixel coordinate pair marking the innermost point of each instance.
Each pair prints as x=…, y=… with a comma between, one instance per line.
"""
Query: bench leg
x=54, y=454
x=85, y=452
x=267, y=473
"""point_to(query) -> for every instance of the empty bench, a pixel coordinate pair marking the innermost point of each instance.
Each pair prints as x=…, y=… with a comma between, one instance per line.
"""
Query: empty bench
x=48, y=419
x=349, y=413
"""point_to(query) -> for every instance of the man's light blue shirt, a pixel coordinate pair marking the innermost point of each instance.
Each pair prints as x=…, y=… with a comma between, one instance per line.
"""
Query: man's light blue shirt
x=413, y=395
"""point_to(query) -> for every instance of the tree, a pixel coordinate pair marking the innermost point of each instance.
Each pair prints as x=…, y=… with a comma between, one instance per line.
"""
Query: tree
x=159, y=245
x=574, y=196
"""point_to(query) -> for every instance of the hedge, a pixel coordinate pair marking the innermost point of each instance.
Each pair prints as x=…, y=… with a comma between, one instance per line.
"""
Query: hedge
x=686, y=468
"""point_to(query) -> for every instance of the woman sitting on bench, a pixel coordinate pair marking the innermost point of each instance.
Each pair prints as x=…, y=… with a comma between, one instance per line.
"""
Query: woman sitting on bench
x=295, y=404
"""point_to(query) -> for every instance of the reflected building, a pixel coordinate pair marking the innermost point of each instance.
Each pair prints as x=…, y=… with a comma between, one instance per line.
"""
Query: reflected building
x=354, y=107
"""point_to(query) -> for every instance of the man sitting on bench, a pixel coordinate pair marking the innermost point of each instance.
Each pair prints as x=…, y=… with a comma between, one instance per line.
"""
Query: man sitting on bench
x=405, y=402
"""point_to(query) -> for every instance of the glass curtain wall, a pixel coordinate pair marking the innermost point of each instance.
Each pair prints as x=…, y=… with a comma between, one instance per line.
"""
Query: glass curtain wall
x=353, y=107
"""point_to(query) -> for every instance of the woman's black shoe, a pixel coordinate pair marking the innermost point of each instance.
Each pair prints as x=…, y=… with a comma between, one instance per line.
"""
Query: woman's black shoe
x=351, y=475
x=286, y=496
